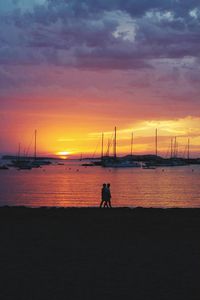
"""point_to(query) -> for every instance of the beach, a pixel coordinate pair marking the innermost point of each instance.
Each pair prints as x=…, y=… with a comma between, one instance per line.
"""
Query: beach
x=92, y=253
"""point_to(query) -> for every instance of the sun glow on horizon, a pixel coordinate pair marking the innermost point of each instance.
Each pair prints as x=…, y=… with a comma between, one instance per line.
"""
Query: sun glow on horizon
x=63, y=154
x=59, y=141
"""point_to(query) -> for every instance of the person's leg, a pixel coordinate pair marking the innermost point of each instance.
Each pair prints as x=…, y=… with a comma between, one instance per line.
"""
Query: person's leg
x=101, y=203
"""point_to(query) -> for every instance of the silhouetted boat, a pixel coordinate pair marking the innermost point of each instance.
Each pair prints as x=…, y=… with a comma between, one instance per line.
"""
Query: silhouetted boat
x=27, y=163
x=88, y=165
x=25, y=167
x=148, y=167
x=22, y=164
x=117, y=162
x=121, y=164
x=4, y=167
x=171, y=162
x=97, y=163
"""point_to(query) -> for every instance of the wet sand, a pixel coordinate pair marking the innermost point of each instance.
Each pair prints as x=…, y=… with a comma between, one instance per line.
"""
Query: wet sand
x=92, y=253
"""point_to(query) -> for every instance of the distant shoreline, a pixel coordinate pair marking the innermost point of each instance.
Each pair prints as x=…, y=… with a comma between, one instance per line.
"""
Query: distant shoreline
x=85, y=208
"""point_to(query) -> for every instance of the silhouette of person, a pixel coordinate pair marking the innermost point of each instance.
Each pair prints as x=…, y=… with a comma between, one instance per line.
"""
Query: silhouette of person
x=103, y=195
x=108, y=196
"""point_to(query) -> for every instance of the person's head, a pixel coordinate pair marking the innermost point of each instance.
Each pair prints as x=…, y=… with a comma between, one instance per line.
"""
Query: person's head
x=104, y=185
x=108, y=185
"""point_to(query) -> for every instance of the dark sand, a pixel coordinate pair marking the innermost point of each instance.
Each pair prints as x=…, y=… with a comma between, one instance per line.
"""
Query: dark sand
x=99, y=253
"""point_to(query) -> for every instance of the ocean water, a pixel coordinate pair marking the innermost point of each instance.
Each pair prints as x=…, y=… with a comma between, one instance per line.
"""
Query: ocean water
x=74, y=185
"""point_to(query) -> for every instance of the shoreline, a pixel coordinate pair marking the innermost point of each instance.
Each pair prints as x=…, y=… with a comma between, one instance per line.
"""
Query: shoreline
x=92, y=253
x=23, y=207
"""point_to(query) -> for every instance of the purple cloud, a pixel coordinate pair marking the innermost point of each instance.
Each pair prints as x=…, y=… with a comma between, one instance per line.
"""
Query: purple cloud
x=94, y=34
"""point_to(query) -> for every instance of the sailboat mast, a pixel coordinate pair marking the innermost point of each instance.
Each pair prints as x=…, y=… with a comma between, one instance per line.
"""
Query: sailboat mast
x=175, y=145
x=102, y=145
x=188, y=154
x=115, y=143
x=108, y=149
x=35, y=148
x=19, y=151
x=171, y=147
x=156, y=142
x=132, y=144
x=177, y=149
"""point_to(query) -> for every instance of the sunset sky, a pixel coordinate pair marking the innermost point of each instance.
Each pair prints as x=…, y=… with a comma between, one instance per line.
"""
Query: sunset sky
x=74, y=69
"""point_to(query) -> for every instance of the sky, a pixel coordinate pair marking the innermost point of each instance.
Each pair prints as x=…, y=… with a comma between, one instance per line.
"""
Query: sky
x=74, y=69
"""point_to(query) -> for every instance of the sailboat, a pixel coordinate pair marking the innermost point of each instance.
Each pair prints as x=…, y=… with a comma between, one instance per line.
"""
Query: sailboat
x=173, y=161
x=25, y=163
x=38, y=162
x=4, y=167
x=35, y=163
x=21, y=163
x=117, y=162
x=99, y=162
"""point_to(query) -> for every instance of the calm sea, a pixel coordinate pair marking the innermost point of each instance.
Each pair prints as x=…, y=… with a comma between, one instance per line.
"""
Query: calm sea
x=74, y=185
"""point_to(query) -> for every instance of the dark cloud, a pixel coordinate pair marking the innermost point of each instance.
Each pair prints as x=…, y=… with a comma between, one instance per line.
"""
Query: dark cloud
x=96, y=34
x=133, y=7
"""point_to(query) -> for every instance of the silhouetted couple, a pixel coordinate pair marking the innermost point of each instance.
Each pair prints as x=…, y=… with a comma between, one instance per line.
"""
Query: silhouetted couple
x=105, y=196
